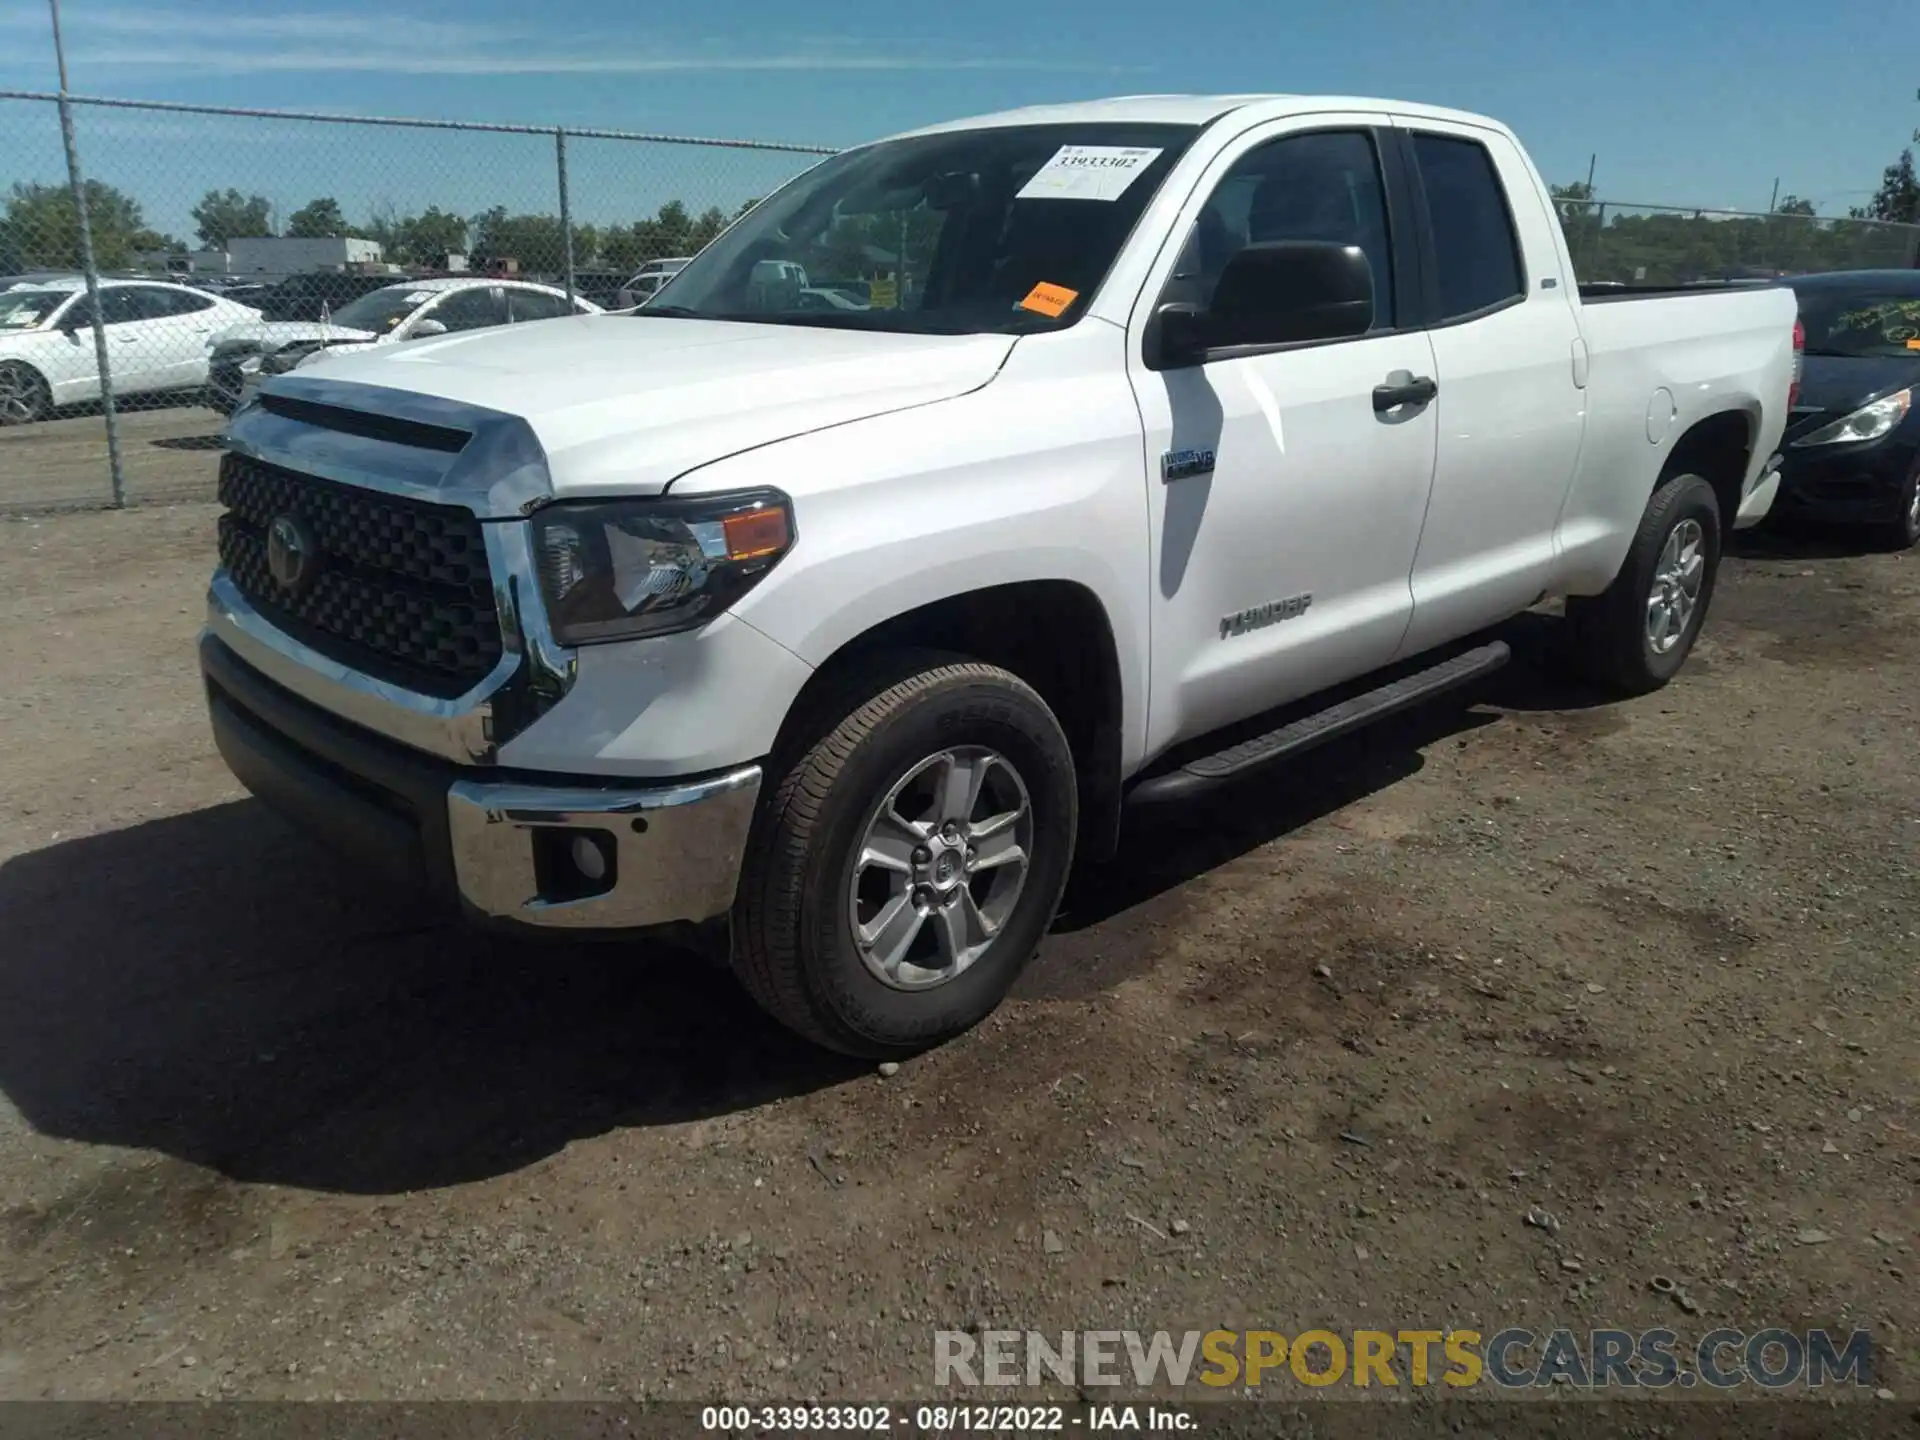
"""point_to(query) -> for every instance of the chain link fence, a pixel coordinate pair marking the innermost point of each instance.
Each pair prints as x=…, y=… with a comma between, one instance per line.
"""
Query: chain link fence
x=226, y=242
x=1672, y=245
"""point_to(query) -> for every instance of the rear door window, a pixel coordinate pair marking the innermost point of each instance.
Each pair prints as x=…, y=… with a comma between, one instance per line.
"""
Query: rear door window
x=1476, y=252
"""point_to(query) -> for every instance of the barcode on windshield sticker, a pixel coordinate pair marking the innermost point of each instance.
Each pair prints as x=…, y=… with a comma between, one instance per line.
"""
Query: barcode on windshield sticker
x=1088, y=172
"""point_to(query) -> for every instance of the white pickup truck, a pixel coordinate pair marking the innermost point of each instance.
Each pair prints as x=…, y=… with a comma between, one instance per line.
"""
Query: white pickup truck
x=1185, y=433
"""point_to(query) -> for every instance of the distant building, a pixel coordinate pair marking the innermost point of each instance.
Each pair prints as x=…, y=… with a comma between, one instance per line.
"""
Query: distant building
x=177, y=262
x=270, y=257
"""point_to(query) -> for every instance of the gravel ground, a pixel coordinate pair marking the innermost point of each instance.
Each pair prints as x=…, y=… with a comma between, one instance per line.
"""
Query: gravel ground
x=169, y=451
x=1306, y=1056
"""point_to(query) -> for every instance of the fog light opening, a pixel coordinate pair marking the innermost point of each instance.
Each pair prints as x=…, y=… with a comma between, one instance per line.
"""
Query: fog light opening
x=573, y=864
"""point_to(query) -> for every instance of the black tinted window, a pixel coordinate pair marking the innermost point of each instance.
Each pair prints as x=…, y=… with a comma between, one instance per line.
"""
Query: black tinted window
x=1476, y=249
x=159, y=303
x=471, y=310
x=122, y=304
x=535, y=305
x=1874, y=321
x=1323, y=186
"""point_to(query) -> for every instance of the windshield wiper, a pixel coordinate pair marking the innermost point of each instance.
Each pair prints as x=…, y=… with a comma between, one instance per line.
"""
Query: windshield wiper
x=671, y=312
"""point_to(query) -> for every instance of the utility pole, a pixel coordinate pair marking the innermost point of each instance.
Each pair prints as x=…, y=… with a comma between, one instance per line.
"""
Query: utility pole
x=1593, y=160
x=89, y=270
x=1774, y=203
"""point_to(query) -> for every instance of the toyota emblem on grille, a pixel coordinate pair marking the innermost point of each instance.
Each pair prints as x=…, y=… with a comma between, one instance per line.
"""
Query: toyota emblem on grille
x=291, y=559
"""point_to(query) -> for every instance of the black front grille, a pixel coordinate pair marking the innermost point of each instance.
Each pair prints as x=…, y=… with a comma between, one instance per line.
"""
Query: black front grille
x=401, y=591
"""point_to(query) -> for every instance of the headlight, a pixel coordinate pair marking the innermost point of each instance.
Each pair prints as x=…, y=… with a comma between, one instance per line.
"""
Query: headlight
x=1869, y=422
x=226, y=349
x=617, y=570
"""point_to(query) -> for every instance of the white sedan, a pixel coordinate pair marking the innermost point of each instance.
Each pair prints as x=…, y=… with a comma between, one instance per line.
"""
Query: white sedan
x=156, y=341
x=407, y=310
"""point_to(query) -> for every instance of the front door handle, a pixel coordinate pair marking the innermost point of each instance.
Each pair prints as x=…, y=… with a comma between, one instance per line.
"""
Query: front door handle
x=1397, y=391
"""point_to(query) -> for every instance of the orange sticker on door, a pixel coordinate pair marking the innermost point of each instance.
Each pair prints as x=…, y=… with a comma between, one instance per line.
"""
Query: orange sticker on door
x=1913, y=344
x=1049, y=300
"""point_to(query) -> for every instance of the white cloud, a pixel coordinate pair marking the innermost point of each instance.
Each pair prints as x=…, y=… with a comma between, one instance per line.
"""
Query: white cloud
x=315, y=42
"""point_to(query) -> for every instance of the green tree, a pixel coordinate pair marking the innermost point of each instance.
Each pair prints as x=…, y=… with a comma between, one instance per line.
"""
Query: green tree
x=318, y=219
x=1794, y=205
x=1579, y=217
x=1898, y=197
x=41, y=227
x=427, y=238
x=706, y=229
x=224, y=215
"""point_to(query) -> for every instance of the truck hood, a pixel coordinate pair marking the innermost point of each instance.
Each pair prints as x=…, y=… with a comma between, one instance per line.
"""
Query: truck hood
x=626, y=404
x=271, y=335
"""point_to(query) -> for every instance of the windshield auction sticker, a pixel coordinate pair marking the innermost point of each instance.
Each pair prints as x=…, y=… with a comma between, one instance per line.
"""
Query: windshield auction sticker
x=1049, y=300
x=1088, y=172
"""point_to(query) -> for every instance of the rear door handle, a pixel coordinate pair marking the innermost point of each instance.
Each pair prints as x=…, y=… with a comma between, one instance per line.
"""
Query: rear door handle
x=1415, y=391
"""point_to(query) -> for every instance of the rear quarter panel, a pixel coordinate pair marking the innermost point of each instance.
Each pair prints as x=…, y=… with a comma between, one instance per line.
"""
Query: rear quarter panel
x=1656, y=368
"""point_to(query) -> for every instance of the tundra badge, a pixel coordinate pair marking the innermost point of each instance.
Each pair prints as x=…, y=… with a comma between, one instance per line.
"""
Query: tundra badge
x=1261, y=616
x=1184, y=464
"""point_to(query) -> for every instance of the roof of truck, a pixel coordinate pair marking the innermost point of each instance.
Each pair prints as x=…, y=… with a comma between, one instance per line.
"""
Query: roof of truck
x=1194, y=110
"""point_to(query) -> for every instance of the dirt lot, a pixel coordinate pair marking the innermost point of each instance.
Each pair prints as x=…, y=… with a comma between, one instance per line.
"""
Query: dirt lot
x=169, y=451
x=1308, y=1056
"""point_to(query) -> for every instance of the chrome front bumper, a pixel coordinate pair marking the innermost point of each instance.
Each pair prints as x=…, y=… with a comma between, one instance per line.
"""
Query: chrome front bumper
x=671, y=853
x=501, y=844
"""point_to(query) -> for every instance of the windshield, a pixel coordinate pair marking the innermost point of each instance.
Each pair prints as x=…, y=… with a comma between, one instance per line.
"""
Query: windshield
x=24, y=309
x=1004, y=230
x=381, y=310
x=1861, y=324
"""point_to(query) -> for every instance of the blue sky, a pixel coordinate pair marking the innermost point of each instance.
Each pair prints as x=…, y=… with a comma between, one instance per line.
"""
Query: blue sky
x=1702, y=102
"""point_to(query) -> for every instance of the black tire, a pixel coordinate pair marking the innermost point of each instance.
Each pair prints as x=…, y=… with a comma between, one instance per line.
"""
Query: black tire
x=1610, y=641
x=1903, y=531
x=793, y=944
x=24, y=395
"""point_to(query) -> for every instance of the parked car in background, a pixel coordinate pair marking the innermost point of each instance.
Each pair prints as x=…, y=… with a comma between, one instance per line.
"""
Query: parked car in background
x=406, y=311
x=157, y=337
x=246, y=293
x=1214, y=428
x=600, y=286
x=1853, y=443
x=313, y=297
x=647, y=280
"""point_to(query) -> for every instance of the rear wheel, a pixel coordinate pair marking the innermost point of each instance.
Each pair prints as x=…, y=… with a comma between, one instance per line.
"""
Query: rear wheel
x=24, y=396
x=1636, y=634
x=909, y=863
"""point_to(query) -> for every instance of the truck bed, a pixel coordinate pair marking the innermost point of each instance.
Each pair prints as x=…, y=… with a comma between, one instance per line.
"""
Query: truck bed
x=1609, y=292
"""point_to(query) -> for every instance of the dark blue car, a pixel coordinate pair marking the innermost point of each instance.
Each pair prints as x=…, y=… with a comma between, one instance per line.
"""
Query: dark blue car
x=1852, y=447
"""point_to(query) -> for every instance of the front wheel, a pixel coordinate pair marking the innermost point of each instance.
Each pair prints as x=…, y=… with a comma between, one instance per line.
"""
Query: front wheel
x=908, y=864
x=1903, y=532
x=24, y=396
x=1635, y=635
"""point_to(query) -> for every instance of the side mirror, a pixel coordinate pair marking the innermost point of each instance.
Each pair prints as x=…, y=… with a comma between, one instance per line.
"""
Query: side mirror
x=423, y=328
x=1277, y=292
